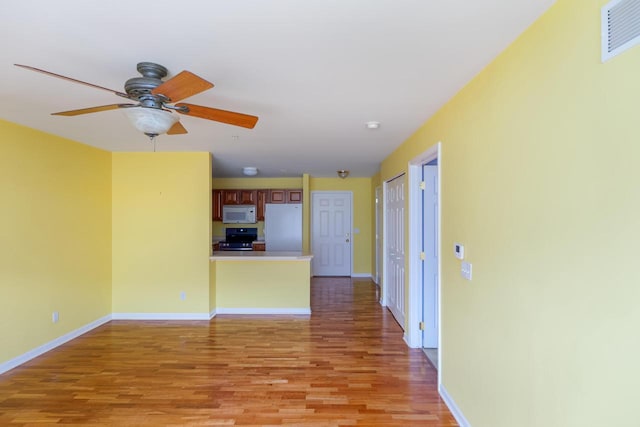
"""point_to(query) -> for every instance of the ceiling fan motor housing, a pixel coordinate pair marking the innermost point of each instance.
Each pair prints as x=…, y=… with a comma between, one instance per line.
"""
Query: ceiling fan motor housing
x=139, y=88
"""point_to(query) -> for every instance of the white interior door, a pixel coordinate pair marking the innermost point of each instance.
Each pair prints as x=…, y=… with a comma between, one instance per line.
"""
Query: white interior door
x=430, y=249
x=394, y=244
x=331, y=233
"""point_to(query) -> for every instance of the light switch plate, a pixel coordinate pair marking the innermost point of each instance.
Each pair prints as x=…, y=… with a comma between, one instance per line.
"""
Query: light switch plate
x=465, y=270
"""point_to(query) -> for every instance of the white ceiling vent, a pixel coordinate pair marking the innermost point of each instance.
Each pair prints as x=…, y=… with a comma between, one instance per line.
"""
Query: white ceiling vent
x=620, y=27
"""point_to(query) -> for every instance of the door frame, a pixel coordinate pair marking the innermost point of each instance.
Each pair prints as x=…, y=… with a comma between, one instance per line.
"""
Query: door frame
x=378, y=233
x=348, y=193
x=413, y=335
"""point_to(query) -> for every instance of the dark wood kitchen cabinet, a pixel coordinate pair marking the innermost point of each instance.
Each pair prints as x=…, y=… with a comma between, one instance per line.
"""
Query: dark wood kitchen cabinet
x=286, y=196
x=261, y=197
x=230, y=197
x=239, y=197
x=277, y=196
x=247, y=197
x=216, y=205
x=294, y=196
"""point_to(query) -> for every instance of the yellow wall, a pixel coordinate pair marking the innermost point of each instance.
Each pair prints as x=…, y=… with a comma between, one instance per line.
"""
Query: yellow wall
x=362, y=216
x=212, y=287
x=161, y=232
x=255, y=183
x=540, y=181
x=262, y=284
x=55, y=230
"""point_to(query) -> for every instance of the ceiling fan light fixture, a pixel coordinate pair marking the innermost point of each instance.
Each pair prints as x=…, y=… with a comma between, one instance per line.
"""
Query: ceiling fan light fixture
x=250, y=171
x=150, y=121
x=343, y=173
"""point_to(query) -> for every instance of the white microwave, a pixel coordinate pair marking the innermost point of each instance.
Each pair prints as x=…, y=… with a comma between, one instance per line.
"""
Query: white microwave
x=239, y=214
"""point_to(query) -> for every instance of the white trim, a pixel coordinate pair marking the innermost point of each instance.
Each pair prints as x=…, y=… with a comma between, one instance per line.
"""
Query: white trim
x=160, y=316
x=38, y=351
x=455, y=411
x=385, y=255
x=414, y=337
x=304, y=311
x=212, y=314
x=378, y=203
x=364, y=276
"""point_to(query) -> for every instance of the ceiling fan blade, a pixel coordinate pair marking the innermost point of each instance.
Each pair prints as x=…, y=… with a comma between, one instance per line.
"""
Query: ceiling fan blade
x=229, y=117
x=182, y=86
x=124, y=95
x=177, y=129
x=92, y=109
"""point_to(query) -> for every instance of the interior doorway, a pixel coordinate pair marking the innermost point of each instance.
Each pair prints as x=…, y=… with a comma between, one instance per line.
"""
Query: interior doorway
x=429, y=255
x=424, y=326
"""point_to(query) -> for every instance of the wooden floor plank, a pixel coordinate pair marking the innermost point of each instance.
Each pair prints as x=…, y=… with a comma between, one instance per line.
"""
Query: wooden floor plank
x=344, y=365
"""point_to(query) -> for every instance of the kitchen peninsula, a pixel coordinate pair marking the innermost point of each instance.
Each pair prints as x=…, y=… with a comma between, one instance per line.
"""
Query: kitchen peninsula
x=257, y=282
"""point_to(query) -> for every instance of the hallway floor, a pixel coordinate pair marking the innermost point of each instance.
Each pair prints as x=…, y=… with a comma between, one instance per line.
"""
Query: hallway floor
x=344, y=365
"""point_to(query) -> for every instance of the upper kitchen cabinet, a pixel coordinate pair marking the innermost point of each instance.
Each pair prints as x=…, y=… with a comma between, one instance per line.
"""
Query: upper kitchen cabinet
x=239, y=197
x=262, y=198
x=277, y=196
x=247, y=197
x=230, y=197
x=294, y=196
x=258, y=198
x=286, y=196
x=216, y=205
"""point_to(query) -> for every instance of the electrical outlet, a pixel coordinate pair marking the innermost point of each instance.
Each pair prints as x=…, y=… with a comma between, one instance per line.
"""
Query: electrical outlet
x=55, y=316
x=183, y=296
x=465, y=270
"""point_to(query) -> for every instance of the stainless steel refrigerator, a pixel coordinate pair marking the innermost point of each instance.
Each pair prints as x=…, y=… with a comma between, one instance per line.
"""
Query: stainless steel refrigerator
x=283, y=227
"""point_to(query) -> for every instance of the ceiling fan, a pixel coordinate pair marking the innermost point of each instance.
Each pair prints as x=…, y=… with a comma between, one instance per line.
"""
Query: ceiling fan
x=152, y=114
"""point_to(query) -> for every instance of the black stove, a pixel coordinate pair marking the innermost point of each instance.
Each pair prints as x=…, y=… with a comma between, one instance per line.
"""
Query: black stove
x=239, y=239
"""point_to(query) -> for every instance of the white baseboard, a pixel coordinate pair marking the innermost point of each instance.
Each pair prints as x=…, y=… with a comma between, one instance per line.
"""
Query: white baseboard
x=212, y=314
x=32, y=354
x=160, y=316
x=362, y=275
x=407, y=341
x=455, y=411
x=263, y=311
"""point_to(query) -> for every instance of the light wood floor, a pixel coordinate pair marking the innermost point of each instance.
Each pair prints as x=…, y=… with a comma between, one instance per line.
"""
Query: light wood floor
x=344, y=365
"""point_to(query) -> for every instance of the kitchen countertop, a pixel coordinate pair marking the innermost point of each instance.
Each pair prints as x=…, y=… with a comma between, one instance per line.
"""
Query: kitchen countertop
x=260, y=256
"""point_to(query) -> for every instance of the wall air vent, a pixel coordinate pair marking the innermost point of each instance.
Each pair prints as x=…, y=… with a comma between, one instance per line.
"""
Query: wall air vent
x=620, y=27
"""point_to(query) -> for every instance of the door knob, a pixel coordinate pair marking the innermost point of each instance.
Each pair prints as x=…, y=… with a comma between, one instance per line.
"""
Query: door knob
x=347, y=240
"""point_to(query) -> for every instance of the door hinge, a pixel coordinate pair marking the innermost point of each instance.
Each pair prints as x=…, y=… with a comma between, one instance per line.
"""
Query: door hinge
x=422, y=256
x=421, y=326
x=423, y=185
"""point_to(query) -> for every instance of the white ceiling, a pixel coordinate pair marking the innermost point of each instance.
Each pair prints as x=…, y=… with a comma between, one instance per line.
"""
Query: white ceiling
x=313, y=71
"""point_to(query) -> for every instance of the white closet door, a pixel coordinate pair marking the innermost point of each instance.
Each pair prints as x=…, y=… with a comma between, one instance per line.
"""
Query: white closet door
x=395, y=209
